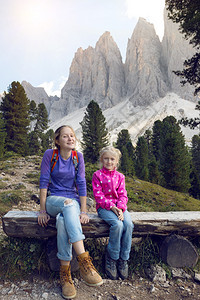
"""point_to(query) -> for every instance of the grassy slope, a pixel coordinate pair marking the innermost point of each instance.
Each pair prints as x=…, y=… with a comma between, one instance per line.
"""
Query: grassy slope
x=145, y=196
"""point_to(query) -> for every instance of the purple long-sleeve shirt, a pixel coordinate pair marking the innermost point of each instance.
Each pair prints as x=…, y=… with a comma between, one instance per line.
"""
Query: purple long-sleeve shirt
x=61, y=182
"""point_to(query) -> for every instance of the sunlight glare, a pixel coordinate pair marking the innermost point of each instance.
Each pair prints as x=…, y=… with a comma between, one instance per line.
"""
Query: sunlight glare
x=150, y=10
x=34, y=16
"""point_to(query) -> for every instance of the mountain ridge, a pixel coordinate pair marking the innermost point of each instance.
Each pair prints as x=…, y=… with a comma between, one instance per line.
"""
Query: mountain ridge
x=136, y=119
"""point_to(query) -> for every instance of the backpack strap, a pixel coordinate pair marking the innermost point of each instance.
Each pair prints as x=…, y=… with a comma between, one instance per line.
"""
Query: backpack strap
x=55, y=156
x=75, y=162
x=54, y=159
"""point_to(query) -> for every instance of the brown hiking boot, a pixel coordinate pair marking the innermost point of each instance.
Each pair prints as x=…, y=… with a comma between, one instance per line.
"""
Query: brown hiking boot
x=88, y=271
x=68, y=289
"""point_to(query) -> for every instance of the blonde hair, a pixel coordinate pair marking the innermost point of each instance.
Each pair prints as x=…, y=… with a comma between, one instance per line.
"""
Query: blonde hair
x=58, y=132
x=114, y=151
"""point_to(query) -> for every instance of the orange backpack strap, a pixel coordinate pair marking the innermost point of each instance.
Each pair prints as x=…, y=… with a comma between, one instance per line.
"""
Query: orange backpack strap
x=55, y=156
x=75, y=162
x=54, y=159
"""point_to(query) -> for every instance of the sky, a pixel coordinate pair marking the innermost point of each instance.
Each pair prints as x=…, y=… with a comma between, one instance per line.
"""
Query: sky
x=38, y=38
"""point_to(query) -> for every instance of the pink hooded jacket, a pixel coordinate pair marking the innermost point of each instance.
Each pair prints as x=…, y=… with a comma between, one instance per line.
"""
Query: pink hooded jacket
x=109, y=189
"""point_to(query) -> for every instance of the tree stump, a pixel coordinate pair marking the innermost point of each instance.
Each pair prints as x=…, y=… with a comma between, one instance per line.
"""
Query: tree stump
x=178, y=252
x=53, y=261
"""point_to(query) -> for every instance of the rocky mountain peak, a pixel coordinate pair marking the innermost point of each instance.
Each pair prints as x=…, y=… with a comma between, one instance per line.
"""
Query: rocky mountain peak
x=175, y=50
x=144, y=29
x=108, y=48
x=144, y=78
x=147, y=75
x=39, y=95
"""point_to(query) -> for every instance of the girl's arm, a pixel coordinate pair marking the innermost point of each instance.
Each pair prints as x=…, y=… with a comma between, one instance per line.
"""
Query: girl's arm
x=80, y=180
x=82, y=190
x=83, y=216
x=99, y=196
x=43, y=217
x=122, y=195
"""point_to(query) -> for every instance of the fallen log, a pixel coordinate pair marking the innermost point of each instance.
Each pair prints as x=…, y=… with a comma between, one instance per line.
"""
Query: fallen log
x=178, y=252
x=184, y=223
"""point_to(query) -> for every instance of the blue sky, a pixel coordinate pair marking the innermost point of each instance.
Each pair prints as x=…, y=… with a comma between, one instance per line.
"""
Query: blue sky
x=38, y=38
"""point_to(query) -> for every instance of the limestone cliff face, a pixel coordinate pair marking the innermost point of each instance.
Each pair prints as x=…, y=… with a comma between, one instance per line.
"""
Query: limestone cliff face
x=39, y=95
x=99, y=74
x=145, y=81
x=175, y=50
x=95, y=74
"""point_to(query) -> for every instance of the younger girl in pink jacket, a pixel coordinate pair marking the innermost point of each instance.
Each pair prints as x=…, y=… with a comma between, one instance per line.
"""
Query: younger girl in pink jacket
x=111, y=203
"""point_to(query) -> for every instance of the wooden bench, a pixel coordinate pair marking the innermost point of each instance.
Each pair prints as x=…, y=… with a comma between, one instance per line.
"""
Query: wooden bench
x=184, y=223
x=175, y=226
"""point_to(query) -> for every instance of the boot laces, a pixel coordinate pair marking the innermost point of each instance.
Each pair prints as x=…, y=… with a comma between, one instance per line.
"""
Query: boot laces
x=88, y=265
x=111, y=263
x=123, y=264
x=65, y=276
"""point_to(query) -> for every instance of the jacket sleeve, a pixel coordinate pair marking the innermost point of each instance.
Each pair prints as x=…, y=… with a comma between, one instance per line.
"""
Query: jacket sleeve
x=45, y=169
x=99, y=196
x=80, y=180
x=122, y=195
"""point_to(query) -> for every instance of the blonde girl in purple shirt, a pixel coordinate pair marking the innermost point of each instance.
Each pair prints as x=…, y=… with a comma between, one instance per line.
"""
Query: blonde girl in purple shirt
x=66, y=200
x=111, y=204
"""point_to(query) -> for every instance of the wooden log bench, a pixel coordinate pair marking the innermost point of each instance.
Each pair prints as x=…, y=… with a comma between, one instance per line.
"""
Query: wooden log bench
x=176, y=226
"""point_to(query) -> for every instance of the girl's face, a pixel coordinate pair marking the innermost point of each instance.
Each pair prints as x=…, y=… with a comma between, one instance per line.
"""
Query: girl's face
x=67, y=139
x=109, y=161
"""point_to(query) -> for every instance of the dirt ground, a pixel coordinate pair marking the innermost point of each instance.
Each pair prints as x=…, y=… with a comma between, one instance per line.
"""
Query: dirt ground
x=137, y=288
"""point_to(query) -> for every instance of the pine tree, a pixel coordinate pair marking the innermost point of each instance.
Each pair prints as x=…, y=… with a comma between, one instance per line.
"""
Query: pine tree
x=196, y=153
x=123, y=139
x=94, y=132
x=33, y=110
x=191, y=122
x=175, y=160
x=15, y=112
x=194, y=190
x=124, y=144
x=142, y=160
x=33, y=144
x=41, y=119
x=154, y=173
x=2, y=136
x=47, y=140
x=38, y=140
x=157, y=140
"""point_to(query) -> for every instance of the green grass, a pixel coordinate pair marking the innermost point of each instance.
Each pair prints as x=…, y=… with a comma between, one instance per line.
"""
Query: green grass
x=20, y=257
x=12, y=197
x=146, y=196
x=33, y=178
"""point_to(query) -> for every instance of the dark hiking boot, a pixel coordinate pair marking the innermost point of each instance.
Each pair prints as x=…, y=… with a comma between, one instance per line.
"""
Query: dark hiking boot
x=122, y=267
x=111, y=267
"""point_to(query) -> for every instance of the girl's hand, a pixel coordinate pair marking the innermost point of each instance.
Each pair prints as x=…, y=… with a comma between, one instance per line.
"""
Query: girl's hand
x=121, y=215
x=43, y=219
x=84, y=218
x=118, y=212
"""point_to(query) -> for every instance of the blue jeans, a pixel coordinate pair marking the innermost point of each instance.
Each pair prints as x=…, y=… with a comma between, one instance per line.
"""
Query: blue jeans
x=120, y=236
x=69, y=229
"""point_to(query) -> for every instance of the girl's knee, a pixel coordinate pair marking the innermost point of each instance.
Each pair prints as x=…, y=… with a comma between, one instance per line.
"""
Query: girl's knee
x=68, y=201
x=118, y=224
x=130, y=226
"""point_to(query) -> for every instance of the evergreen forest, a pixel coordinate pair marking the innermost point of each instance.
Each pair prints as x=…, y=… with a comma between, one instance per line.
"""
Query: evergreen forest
x=160, y=156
